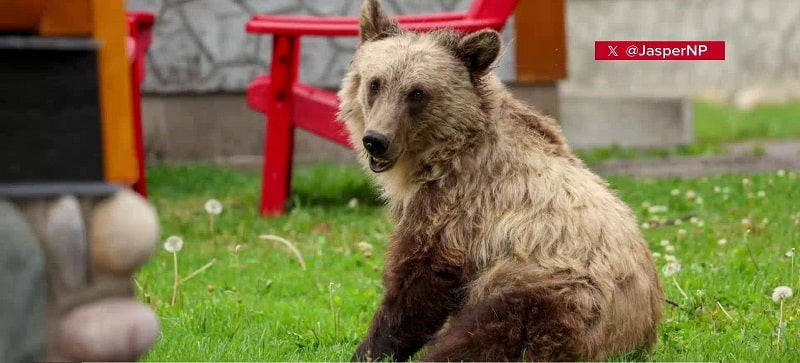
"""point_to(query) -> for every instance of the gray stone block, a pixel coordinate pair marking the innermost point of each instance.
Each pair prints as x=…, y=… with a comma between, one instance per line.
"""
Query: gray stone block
x=594, y=119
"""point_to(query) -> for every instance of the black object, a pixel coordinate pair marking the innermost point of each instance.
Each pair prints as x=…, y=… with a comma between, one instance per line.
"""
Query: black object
x=50, y=121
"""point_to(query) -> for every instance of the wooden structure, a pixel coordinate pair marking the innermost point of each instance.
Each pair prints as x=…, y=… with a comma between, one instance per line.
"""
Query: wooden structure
x=70, y=106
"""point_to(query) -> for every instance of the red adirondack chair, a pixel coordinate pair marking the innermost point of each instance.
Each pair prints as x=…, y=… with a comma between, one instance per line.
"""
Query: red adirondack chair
x=289, y=103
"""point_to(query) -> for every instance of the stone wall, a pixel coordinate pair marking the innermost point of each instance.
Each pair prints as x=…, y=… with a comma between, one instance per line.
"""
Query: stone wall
x=201, y=46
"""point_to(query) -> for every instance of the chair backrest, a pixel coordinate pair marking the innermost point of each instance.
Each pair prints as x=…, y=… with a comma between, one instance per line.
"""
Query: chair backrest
x=491, y=9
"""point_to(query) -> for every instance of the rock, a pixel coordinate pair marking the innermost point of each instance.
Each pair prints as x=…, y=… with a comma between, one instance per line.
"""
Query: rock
x=124, y=232
x=108, y=330
x=23, y=286
x=65, y=241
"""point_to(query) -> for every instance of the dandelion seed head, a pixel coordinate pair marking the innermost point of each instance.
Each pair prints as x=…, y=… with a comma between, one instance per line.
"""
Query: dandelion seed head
x=722, y=242
x=790, y=253
x=781, y=293
x=173, y=244
x=746, y=221
x=353, y=203
x=671, y=268
x=213, y=207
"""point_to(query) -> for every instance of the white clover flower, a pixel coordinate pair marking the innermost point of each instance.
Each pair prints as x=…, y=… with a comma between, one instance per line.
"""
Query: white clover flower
x=690, y=194
x=700, y=292
x=656, y=255
x=675, y=192
x=681, y=232
x=746, y=221
x=699, y=200
x=678, y=222
x=726, y=190
x=693, y=220
x=746, y=182
x=657, y=209
x=765, y=221
x=761, y=194
x=365, y=248
x=671, y=268
x=664, y=242
x=717, y=189
x=670, y=258
x=645, y=225
x=701, y=224
x=781, y=293
x=213, y=207
x=353, y=203
x=173, y=244
x=669, y=248
x=781, y=173
x=646, y=204
x=722, y=242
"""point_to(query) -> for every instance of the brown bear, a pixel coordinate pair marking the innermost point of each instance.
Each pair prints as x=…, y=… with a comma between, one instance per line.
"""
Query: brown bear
x=506, y=246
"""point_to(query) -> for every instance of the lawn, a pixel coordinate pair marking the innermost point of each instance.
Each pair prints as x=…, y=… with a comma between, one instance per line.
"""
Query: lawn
x=258, y=302
x=716, y=125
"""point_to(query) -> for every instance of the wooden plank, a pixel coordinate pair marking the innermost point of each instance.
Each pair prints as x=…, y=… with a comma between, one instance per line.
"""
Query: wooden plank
x=66, y=18
x=20, y=15
x=110, y=29
x=541, y=41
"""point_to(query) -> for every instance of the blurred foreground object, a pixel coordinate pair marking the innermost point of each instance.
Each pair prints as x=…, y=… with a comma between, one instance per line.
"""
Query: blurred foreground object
x=72, y=231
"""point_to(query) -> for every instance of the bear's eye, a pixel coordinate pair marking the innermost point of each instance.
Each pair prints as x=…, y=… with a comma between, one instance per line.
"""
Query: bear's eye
x=374, y=87
x=416, y=96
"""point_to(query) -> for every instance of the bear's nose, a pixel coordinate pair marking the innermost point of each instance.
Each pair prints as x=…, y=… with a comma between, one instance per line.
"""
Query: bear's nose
x=375, y=143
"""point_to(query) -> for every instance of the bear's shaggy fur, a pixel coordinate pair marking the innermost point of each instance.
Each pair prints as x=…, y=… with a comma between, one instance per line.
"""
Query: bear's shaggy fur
x=506, y=247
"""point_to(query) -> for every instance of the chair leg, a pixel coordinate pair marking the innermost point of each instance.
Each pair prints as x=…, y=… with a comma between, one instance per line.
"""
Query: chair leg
x=141, y=185
x=279, y=140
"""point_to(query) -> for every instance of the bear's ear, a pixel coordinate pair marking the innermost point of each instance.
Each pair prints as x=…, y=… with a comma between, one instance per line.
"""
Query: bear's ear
x=479, y=50
x=374, y=24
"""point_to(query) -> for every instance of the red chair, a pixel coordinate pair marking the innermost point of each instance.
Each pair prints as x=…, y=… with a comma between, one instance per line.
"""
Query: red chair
x=289, y=103
x=140, y=25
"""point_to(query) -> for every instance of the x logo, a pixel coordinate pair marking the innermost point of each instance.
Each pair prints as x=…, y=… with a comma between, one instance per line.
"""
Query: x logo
x=612, y=50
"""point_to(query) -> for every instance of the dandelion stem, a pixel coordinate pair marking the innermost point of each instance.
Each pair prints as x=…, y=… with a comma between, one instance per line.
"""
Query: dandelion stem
x=780, y=324
x=679, y=288
x=724, y=311
x=288, y=244
x=177, y=279
x=198, y=271
x=213, y=234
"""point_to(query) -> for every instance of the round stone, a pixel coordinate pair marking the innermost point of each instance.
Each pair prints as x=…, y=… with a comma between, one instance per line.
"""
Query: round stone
x=124, y=232
x=116, y=329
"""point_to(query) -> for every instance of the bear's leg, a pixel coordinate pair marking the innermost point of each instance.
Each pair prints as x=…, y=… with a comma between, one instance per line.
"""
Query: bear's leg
x=530, y=325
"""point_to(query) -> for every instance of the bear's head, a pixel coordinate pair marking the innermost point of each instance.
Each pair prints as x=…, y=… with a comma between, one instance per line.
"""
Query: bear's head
x=408, y=94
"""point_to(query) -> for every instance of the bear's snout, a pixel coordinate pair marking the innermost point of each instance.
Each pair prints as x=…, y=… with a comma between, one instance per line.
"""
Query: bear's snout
x=376, y=144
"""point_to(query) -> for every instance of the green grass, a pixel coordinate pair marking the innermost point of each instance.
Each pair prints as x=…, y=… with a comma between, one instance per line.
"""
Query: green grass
x=715, y=125
x=257, y=304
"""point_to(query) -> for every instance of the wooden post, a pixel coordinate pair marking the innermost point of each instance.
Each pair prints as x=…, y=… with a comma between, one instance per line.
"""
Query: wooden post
x=541, y=46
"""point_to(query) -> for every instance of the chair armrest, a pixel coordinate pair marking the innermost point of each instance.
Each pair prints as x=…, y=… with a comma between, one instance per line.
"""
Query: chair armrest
x=445, y=16
x=351, y=28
